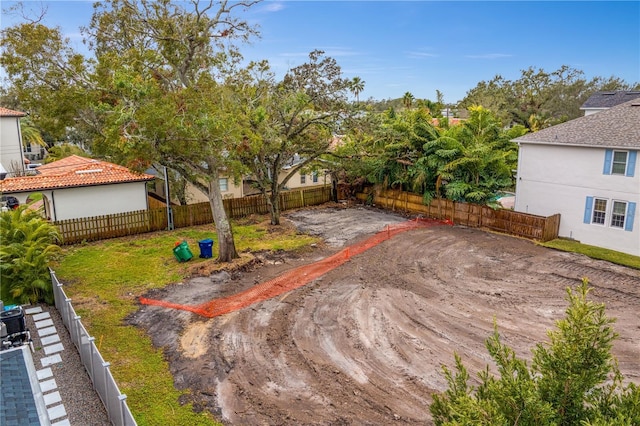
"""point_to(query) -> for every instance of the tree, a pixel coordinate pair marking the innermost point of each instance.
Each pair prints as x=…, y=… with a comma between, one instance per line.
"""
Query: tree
x=538, y=98
x=50, y=80
x=574, y=379
x=58, y=152
x=357, y=86
x=30, y=133
x=407, y=100
x=474, y=160
x=29, y=244
x=161, y=66
x=290, y=123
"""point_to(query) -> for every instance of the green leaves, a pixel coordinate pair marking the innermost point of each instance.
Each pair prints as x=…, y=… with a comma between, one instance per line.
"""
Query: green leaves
x=28, y=245
x=573, y=379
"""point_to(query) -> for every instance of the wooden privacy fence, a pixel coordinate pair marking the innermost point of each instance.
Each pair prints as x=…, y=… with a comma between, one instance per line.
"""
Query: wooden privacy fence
x=474, y=215
x=142, y=221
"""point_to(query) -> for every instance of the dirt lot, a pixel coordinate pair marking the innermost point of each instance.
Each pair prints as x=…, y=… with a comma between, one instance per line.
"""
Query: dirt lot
x=364, y=343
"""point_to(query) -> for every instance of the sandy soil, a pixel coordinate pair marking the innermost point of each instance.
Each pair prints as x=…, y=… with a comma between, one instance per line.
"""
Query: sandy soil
x=365, y=343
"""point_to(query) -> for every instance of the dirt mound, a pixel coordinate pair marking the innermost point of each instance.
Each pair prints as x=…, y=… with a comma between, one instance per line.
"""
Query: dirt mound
x=363, y=344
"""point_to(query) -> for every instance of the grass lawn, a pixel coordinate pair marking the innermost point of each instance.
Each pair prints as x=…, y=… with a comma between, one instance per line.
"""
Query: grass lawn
x=594, y=252
x=104, y=278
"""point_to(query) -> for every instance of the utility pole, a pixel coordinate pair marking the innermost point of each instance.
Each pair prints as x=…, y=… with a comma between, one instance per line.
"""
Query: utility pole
x=168, y=200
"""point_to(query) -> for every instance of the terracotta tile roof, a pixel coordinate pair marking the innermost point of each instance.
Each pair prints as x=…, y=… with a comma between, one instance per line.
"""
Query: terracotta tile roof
x=6, y=112
x=73, y=171
x=616, y=127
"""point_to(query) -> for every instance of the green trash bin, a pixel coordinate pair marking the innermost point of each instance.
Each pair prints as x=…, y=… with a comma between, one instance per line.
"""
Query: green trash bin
x=182, y=252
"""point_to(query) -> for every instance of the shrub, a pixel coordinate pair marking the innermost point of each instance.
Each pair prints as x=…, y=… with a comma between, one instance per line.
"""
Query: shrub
x=27, y=245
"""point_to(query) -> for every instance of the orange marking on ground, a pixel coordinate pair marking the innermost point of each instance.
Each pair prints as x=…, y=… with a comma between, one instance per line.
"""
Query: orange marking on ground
x=294, y=278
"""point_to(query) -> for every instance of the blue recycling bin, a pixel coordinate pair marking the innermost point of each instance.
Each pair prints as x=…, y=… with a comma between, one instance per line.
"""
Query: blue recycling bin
x=206, y=248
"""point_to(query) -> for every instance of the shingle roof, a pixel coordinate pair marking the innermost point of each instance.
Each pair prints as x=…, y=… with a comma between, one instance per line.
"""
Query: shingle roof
x=616, y=127
x=73, y=171
x=17, y=404
x=6, y=112
x=609, y=99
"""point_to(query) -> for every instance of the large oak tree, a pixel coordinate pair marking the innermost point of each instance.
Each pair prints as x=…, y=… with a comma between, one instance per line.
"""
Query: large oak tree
x=290, y=123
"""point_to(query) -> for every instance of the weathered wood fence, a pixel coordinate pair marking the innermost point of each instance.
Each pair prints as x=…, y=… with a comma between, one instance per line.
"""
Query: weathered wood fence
x=142, y=221
x=473, y=215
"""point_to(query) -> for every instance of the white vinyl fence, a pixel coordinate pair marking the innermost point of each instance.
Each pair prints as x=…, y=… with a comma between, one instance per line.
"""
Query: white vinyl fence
x=103, y=382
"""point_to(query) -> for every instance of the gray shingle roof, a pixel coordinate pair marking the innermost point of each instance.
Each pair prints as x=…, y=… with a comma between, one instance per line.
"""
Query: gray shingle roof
x=616, y=127
x=17, y=403
x=609, y=99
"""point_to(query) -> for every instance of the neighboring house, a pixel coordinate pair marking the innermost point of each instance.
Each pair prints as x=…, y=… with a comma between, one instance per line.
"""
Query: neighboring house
x=11, y=156
x=34, y=153
x=587, y=170
x=78, y=187
x=601, y=101
x=298, y=180
x=193, y=194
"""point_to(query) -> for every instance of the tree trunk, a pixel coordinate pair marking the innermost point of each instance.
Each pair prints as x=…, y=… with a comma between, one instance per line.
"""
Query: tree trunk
x=275, y=208
x=226, y=245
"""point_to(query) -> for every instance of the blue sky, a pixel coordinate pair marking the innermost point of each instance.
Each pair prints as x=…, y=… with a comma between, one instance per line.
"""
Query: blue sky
x=424, y=46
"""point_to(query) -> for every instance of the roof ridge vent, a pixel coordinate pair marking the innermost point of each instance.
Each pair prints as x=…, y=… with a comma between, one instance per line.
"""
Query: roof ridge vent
x=83, y=172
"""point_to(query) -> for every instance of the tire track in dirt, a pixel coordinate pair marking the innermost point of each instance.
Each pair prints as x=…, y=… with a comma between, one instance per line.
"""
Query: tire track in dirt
x=364, y=344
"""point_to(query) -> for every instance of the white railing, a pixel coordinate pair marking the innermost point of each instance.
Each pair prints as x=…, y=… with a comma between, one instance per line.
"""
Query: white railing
x=114, y=402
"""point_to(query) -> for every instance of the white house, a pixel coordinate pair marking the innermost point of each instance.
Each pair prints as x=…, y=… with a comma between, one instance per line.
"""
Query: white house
x=587, y=170
x=11, y=155
x=78, y=187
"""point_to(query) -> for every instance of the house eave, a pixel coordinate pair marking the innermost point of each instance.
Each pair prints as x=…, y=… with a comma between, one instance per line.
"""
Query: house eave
x=580, y=145
x=53, y=188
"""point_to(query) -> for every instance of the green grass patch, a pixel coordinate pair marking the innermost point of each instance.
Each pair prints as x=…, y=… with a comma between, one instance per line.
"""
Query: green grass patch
x=594, y=252
x=104, y=278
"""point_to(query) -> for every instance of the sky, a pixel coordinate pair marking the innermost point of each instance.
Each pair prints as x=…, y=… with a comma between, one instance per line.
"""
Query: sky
x=424, y=46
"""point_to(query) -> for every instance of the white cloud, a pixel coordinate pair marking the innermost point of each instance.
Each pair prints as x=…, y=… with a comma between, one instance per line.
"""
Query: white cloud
x=418, y=55
x=273, y=6
x=489, y=56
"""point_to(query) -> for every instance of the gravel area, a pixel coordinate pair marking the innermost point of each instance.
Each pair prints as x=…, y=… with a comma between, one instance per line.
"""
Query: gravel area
x=81, y=402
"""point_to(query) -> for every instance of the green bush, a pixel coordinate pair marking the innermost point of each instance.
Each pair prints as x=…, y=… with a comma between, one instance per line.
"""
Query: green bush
x=573, y=380
x=27, y=245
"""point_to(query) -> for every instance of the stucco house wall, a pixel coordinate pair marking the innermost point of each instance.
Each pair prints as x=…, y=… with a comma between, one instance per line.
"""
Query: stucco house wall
x=558, y=179
x=309, y=181
x=74, y=203
x=11, y=155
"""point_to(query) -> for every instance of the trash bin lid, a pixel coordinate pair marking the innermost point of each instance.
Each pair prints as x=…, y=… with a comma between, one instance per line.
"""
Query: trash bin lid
x=207, y=241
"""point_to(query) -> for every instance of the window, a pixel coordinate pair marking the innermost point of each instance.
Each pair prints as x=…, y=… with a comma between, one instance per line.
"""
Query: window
x=618, y=214
x=599, y=211
x=620, y=162
x=619, y=165
x=622, y=213
x=315, y=177
x=224, y=184
x=303, y=179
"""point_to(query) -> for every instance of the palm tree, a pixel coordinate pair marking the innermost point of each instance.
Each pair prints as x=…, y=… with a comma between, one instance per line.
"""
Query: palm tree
x=28, y=245
x=407, y=99
x=357, y=86
x=30, y=133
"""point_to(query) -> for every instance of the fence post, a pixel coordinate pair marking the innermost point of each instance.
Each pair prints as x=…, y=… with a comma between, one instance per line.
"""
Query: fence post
x=91, y=372
x=122, y=398
x=105, y=391
x=76, y=330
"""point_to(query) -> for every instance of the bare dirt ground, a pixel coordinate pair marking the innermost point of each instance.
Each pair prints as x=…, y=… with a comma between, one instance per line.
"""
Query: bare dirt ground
x=365, y=343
